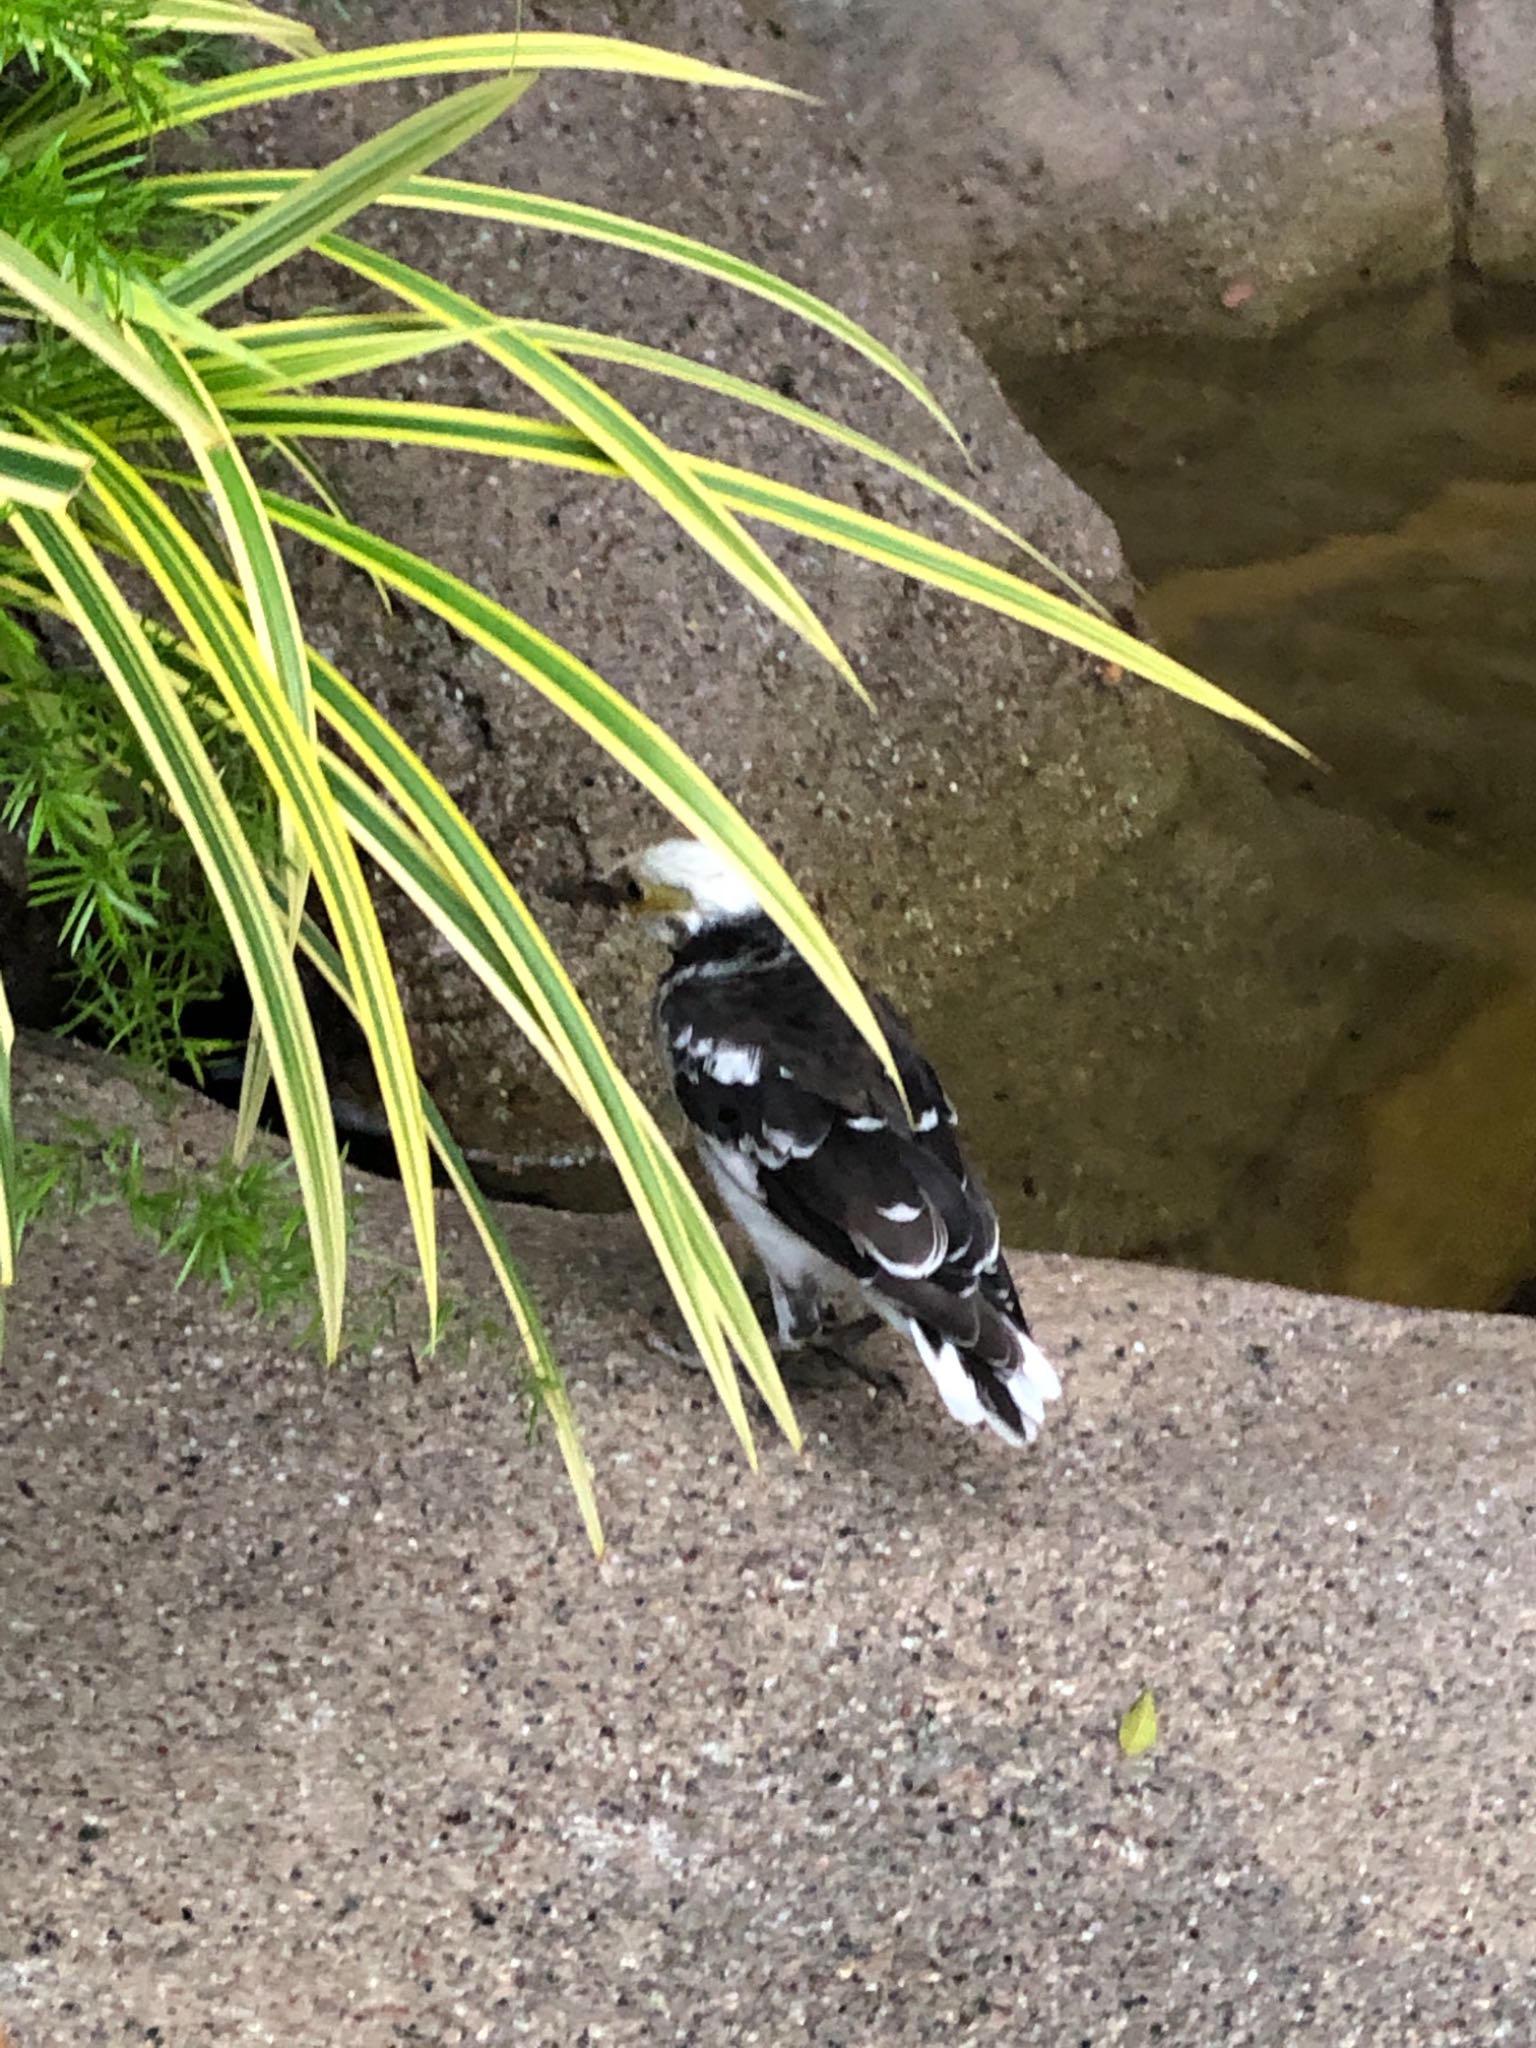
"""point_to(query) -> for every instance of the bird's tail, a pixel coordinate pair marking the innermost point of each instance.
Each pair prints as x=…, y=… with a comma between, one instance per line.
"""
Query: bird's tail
x=1004, y=1380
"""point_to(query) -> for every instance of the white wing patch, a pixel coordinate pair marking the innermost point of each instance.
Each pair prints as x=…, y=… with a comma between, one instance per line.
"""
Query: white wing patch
x=733, y=1066
x=909, y=1269
x=779, y=1146
x=900, y=1212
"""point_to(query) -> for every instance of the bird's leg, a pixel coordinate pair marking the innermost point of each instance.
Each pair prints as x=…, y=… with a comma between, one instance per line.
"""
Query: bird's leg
x=808, y=1333
x=788, y=1321
x=798, y=1311
x=839, y=1348
x=802, y=1334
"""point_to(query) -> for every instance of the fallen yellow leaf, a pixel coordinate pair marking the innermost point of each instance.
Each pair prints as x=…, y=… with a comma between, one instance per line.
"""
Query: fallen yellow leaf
x=1138, y=1726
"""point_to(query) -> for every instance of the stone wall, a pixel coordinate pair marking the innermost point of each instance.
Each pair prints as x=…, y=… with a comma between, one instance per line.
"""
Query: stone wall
x=1077, y=170
x=996, y=773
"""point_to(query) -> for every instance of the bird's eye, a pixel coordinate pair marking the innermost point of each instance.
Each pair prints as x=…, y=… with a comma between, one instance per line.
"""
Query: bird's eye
x=631, y=890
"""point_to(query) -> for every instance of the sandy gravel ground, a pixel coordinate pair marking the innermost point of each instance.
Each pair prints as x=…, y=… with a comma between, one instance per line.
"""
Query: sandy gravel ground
x=317, y=1722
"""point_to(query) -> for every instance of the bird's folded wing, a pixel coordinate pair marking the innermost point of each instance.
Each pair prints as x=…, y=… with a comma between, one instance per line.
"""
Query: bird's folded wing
x=769, y=1070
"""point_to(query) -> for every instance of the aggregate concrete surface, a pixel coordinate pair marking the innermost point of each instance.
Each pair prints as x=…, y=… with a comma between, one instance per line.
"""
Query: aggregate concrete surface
x=319, y=1723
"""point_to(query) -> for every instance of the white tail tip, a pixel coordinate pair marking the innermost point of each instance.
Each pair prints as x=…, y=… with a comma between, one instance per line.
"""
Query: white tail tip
x=1029, y=1384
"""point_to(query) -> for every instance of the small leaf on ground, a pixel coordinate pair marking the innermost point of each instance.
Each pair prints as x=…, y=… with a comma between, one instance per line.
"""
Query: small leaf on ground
x=1138, y=1726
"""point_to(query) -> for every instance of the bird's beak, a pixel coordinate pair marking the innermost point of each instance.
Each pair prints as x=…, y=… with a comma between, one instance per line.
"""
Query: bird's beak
x=637, y=897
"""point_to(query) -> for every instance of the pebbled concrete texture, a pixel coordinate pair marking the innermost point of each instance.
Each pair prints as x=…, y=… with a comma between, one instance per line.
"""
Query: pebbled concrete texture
x=320, y=1723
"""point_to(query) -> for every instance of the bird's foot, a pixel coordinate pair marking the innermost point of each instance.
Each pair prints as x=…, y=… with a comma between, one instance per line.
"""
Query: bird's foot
x=810, y=1367
x=668, y=1337
x=837, y=1351
x=850, y=1335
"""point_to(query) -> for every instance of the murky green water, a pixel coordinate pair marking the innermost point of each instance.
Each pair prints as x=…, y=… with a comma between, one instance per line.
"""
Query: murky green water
x=1330, y=1077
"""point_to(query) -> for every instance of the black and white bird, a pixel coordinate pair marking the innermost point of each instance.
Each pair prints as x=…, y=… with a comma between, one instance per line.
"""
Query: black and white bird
x=842, y=1195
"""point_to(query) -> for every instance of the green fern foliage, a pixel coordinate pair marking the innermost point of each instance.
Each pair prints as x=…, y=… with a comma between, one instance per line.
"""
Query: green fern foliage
x=142, y=936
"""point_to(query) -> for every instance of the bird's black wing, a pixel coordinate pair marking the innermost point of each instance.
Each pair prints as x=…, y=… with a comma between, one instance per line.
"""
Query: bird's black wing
x=770, y=1072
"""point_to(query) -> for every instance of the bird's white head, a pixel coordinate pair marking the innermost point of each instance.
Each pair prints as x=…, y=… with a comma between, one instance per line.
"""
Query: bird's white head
x=683, y=887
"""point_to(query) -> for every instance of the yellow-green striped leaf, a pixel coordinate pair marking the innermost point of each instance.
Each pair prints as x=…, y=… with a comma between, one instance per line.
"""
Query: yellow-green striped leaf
x=289, y=758
x=38, y=473
x=146, y=306
x=274, y=615
x=946, y=568
x=318, y=351
x=151, y=366
x=428, y=847
x=119, y=348
x=474, y=431
x=470, y=201
x=642, y=456
x=310, y=351
x=152, y=705
x=586, y=343
x=547, y=1379
x=232, y=18
x=324, y=199
x=255, y=1080
x=434, y=57
x=9, y=1216
x=247, y=534
x=469, y=430
x=277, y=354
x=310, y=472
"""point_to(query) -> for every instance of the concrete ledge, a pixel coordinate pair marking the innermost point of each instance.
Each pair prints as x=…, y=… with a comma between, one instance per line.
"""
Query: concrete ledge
x=320, y=1723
